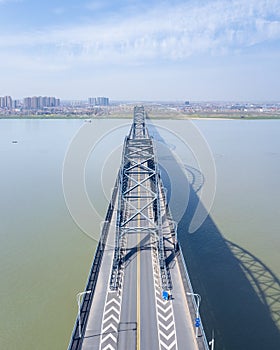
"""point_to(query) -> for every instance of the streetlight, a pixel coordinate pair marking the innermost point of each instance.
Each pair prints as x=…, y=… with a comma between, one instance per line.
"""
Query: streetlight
x=212, y=341
x=212, y=344
x=197, y=320
x=79, y=295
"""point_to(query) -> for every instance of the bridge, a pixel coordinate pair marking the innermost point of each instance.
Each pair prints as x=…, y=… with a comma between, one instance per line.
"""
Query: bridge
x=138, y=294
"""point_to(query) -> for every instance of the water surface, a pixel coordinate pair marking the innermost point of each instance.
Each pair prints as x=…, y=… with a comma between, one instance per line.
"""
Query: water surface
x=45, y=256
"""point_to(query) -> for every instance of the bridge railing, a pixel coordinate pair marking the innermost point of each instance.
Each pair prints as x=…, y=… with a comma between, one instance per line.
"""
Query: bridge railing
x=76, y=340
x=201, y=340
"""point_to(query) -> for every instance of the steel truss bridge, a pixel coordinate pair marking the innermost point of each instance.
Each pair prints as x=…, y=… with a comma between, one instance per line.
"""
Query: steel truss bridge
x=138, y=294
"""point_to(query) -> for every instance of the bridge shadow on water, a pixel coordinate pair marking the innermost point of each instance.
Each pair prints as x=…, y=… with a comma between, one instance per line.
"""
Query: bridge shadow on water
x=240, y=294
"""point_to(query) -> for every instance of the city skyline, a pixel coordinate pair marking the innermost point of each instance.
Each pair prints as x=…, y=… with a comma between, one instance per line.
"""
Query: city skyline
x=132, y=50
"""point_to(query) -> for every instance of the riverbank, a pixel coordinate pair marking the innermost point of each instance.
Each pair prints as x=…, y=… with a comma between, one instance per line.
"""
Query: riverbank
x=152, y=115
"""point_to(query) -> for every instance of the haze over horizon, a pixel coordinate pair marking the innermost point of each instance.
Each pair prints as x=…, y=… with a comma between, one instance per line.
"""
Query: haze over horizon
x=141, y=50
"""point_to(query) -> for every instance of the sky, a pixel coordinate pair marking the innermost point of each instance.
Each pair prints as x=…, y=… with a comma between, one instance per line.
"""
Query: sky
x=196, y=50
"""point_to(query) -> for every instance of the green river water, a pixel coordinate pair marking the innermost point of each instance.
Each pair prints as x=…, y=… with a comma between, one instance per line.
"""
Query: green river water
x=233, y=257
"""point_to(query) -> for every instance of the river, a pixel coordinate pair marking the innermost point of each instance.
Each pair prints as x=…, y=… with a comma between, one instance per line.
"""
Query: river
x=46, y=252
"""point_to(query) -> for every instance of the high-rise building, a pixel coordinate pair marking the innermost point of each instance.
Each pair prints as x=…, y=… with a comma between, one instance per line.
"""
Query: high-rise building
x=91, y=101
x=16, y=103
x=9, y=102
x=98, y=101
x=6, y=102
x=35, y=102
x=27, y=102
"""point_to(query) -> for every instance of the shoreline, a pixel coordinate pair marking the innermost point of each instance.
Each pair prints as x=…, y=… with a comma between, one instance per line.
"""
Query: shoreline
x=167, y=116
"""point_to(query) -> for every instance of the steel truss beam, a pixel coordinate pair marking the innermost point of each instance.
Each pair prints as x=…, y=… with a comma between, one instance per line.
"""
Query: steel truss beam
x=139, y=195
x=138, y=129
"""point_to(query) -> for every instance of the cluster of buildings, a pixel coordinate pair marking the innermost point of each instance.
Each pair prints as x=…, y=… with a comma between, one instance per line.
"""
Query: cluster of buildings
x=48, y=105
x=35, y=103
x=40, y=102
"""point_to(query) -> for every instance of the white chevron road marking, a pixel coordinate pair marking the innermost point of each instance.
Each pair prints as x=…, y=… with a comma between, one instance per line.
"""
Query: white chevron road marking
x=111, y=316
x=167, y=327
x=172, y=346
x=163, y=307
x=167, y=336
x=111, y=319
x=113, y=301
x=163, y=320
x=110, y=326
x=110, y=322
x=165, y=314
x=111, y=336
x=109, y=347
x=110, y=310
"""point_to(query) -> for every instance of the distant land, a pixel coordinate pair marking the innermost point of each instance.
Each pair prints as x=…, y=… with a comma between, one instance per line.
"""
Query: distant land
x=90, y=109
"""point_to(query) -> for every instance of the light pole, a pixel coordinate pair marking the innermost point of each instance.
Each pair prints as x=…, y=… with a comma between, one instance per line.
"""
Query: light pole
x=79, y=295
x=212, y=341
x=197, y=320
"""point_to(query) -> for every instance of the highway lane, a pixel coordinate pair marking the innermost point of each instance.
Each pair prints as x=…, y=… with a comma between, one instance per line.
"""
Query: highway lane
x=93, y=331
x=138, y=323
x=146, y=311
x=128, y=320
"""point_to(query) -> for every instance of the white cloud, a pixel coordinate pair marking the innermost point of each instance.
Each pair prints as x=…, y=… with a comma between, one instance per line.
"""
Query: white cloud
x=163, y=33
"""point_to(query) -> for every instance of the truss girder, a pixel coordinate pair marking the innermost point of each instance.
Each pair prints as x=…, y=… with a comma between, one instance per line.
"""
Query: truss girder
x=139, y=194
x=138, y=129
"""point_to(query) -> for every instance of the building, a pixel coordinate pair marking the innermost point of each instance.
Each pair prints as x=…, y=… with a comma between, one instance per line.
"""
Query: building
x=35, y=102
x=16, y=104
x=6, y=102
x=27, y=103
x=98, y=101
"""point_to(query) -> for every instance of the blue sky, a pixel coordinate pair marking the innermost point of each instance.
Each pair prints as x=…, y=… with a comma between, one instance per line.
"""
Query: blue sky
x=141, y=50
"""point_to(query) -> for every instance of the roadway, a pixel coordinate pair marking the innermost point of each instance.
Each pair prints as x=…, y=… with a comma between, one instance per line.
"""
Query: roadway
x=136, y=316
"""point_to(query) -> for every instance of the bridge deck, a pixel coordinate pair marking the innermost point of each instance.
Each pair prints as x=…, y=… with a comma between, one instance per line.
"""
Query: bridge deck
x=126, y=309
